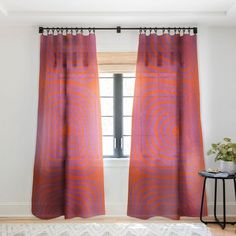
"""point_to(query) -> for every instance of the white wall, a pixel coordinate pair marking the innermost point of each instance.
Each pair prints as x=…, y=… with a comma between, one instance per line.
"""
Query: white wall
x=19, y=61
x=217, y=63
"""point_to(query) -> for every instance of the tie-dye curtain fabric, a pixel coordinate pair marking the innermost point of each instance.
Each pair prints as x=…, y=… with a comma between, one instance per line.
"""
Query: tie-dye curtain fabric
x=166, y=149
x=68, y=171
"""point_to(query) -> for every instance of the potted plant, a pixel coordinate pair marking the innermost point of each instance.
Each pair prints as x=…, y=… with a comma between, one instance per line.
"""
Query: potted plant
x=225, y=152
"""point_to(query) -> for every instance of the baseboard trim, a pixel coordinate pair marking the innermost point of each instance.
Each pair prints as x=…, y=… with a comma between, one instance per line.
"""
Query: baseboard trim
x=15, y=209
x=230, y=208
x=23, y=209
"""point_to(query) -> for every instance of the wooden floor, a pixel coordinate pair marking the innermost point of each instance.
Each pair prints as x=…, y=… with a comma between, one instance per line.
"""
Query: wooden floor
x=215, y=229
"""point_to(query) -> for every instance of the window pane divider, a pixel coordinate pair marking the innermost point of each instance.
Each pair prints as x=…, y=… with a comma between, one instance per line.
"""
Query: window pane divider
x=118, y=112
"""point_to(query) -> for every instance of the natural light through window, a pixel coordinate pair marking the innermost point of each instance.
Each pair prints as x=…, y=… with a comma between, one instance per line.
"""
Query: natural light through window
x=116, y=91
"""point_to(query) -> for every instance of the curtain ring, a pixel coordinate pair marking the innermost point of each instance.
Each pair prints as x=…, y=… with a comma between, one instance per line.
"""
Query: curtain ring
x=163, y=30
x=155, y=30
x=140, y=30
x=81, y=30
x=89, y=30
x=179, y=30
x=145, y=30
x=93, y=30
x=176, y=31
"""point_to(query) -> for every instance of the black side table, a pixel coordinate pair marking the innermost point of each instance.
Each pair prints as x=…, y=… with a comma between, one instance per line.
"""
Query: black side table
x=217, y=221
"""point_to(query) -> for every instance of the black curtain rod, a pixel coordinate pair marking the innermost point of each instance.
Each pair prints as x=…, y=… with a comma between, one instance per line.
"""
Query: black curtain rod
x=118, y=28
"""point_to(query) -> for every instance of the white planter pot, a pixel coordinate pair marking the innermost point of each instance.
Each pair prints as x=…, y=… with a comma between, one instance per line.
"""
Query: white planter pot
x=228, y=166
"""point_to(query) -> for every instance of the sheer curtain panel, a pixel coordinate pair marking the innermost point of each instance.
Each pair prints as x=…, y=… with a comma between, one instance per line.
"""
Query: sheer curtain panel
x=68, y=170
x=166, y=147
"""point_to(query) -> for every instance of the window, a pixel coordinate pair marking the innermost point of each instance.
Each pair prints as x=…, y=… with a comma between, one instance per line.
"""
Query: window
x=116, y=91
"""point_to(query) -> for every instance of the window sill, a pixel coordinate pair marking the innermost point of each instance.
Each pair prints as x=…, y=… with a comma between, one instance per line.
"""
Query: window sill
x=116, y=162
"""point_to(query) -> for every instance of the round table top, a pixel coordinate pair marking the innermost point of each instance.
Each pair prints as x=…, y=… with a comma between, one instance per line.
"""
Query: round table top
x=215, y=175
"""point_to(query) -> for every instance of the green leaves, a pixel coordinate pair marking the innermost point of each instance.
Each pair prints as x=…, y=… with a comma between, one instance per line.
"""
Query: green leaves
x=234, y=148
x=225, y=150
x=227, y=139
x=209, y=152
x=214, y=145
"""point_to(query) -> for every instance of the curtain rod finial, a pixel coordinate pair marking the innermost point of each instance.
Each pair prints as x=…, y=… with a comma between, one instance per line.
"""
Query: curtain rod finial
x=40, y=30
x=195, y=30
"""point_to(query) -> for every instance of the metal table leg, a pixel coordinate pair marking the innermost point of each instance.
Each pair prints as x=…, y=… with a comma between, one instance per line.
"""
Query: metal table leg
x=235, y=188
x=215, y=200
x=217, y=221
x=202, y=202
x=224, y=217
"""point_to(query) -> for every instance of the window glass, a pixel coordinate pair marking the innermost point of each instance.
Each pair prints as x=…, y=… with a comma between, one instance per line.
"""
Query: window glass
x=107, y=145
x=127, y=106
x=127, y=122
x=106, y=87
x=128, y=86
x=107, y=125
x=126, y=145
x=107, y=106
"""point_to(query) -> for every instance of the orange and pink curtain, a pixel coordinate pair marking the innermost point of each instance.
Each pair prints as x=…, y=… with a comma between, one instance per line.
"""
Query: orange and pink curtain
x=68, y=171
x=166, y=148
